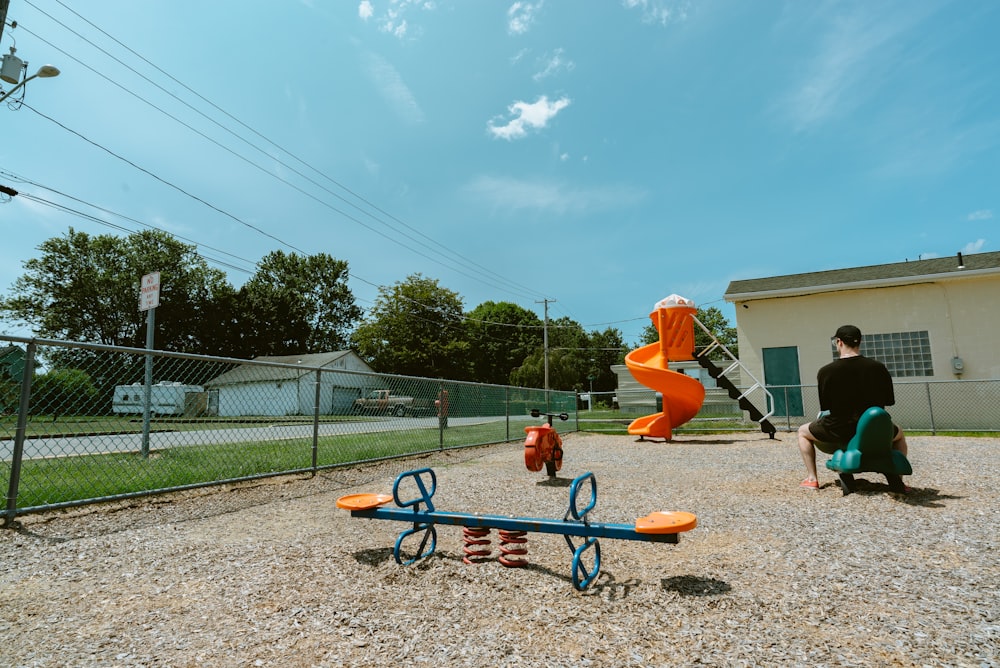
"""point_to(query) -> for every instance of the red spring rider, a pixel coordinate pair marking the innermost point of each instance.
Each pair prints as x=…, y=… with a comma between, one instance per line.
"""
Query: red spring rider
x=543, y=445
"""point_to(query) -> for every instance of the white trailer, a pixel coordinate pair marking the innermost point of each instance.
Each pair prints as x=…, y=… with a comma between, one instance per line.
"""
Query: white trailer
x=164, y=398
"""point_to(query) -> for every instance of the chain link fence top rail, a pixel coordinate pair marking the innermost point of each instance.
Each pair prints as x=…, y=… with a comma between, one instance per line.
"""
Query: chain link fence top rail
x=933, y=406
x=82, y=423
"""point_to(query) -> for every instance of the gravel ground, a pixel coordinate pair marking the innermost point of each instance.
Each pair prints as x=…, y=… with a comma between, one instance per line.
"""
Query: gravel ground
x=273, y=574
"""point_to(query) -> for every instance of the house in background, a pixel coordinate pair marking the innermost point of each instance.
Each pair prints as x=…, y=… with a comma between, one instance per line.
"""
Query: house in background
x=11, y=374
x=634, y=397
x=11, y=363
x=287, y=385
x=926, y=320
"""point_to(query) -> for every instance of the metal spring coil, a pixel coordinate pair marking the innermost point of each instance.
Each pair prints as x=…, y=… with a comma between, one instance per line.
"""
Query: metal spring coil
x=476, y=544
x=513, y=548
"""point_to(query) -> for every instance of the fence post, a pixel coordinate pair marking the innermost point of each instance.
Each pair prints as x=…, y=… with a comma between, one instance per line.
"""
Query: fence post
x=576, y=407
x=442, y=407
x=315, y=443
x=19, y=435
x=147, y=389
x=930, y=408
x=506, y=408
x=788, y=412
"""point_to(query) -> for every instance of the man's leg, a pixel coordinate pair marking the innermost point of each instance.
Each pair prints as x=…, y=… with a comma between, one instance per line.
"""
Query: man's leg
x=808, y=451
x=899, y=441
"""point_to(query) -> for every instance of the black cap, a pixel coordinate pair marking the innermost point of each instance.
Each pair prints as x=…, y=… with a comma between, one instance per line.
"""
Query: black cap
x=849, y=334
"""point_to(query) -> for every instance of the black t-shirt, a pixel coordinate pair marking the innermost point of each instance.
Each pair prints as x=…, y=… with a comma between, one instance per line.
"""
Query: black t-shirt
x=848, y=387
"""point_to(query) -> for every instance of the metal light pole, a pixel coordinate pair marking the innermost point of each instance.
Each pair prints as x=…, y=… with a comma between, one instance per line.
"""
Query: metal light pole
x=45, y=71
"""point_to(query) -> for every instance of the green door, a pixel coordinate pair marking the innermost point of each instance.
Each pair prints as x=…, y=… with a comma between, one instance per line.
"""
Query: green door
x=781, y=368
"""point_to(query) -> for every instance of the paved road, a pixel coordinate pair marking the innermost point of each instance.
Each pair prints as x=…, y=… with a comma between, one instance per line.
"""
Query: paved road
x=88, y=445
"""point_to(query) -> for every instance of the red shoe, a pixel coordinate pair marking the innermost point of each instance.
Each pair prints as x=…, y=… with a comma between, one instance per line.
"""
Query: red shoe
x=809, y=484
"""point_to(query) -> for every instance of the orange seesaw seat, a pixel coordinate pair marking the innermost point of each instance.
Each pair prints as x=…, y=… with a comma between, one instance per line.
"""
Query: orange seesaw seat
x=363, y=501
x=666, y=522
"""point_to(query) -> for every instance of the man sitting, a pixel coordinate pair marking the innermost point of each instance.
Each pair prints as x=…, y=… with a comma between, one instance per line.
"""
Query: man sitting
x=848, y=386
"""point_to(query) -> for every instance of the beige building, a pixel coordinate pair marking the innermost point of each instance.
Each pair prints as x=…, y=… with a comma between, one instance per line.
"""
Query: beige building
x=927, y=320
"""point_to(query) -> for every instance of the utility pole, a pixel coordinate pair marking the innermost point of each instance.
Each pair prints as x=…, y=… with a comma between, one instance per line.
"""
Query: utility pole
x=4, y=4
x=545, y=339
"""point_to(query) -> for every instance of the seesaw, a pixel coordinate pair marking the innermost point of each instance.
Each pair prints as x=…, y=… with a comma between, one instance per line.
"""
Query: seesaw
x=657, y=527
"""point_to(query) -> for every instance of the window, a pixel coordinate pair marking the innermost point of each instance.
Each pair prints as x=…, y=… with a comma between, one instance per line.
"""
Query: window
x=903, y=353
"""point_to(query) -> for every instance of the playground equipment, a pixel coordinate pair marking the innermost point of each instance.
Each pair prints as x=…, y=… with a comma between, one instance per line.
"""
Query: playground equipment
x=543, y=444
x=682, y=395
x=870, y=450
x=657, y=527
x=674, y=319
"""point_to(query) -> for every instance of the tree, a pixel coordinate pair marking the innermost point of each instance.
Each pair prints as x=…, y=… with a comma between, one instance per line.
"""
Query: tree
x=606, y=349
x=64, y=392
x=714, y=321
x=569, y=360
x=295, y=304
x=86, y=288
x=501, y=336
x=415, y=328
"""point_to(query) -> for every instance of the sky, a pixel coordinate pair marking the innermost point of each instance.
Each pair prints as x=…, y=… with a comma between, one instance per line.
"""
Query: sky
x=596, y=156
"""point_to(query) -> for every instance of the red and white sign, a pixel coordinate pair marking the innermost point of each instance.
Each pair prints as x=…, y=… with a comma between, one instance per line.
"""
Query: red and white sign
x=149, y=291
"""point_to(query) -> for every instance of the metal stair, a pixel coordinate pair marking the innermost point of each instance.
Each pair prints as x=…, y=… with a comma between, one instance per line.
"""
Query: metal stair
x=722, y=379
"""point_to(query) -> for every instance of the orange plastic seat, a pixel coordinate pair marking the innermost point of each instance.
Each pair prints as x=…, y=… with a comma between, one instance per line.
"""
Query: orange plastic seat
x=666, y=522
x=363, y=501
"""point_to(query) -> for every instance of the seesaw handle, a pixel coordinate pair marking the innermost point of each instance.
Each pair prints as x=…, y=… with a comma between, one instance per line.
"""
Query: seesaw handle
x=574, y=511
x=418, y=479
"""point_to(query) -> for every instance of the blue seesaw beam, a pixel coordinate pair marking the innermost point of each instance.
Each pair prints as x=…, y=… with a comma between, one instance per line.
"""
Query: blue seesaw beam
x=655, y=528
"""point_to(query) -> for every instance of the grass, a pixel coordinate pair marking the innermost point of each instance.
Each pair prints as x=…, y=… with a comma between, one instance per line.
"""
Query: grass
x=616, y=423
x=61, y=480
x=74, y=425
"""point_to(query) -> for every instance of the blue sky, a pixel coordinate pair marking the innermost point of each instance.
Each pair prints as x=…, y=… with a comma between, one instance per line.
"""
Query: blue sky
x=602, y=155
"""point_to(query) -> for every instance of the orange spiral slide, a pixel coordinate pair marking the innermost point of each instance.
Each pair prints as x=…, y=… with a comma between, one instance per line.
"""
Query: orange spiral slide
x=683, y=396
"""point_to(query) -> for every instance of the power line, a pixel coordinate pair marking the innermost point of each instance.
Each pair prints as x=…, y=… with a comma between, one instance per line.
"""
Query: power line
x=266, y=139
x=21, y=179
x=204, y=202
x=437, y=247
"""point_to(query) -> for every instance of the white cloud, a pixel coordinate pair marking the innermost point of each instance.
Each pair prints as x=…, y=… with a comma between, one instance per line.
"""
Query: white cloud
x=982, y=214
x=371, y=166
x=558, y=198
x=395, y=91
x=855, y=57
x=973, y=246
x=663, y=12
x=554, y=64
x=528, y=116
x=394, y=20
x=521, y=15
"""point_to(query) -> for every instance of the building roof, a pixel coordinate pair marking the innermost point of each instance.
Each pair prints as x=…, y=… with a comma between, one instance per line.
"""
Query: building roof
x=256, y=373
x=879, y=275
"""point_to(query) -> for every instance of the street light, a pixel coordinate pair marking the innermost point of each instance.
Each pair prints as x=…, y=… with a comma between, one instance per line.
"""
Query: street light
x=45, y=71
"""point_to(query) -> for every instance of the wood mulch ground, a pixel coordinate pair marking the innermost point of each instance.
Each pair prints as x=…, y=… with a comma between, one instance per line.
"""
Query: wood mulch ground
x=273, y=574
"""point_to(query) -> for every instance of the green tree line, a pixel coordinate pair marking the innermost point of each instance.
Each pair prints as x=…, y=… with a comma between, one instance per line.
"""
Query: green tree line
x=85, y=288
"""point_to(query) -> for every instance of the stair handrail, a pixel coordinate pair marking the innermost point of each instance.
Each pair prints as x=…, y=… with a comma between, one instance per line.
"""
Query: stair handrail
x=736, y=363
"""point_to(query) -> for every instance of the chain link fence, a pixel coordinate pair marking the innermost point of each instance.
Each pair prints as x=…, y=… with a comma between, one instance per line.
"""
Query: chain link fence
x=937, y=406
x=82, y=423
x=933, y=406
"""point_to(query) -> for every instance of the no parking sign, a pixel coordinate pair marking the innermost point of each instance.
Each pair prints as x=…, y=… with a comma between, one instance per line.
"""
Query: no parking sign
x=149, y=291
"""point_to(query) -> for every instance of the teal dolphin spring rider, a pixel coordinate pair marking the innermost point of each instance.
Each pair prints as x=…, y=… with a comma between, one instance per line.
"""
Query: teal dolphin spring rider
x=870, y=450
